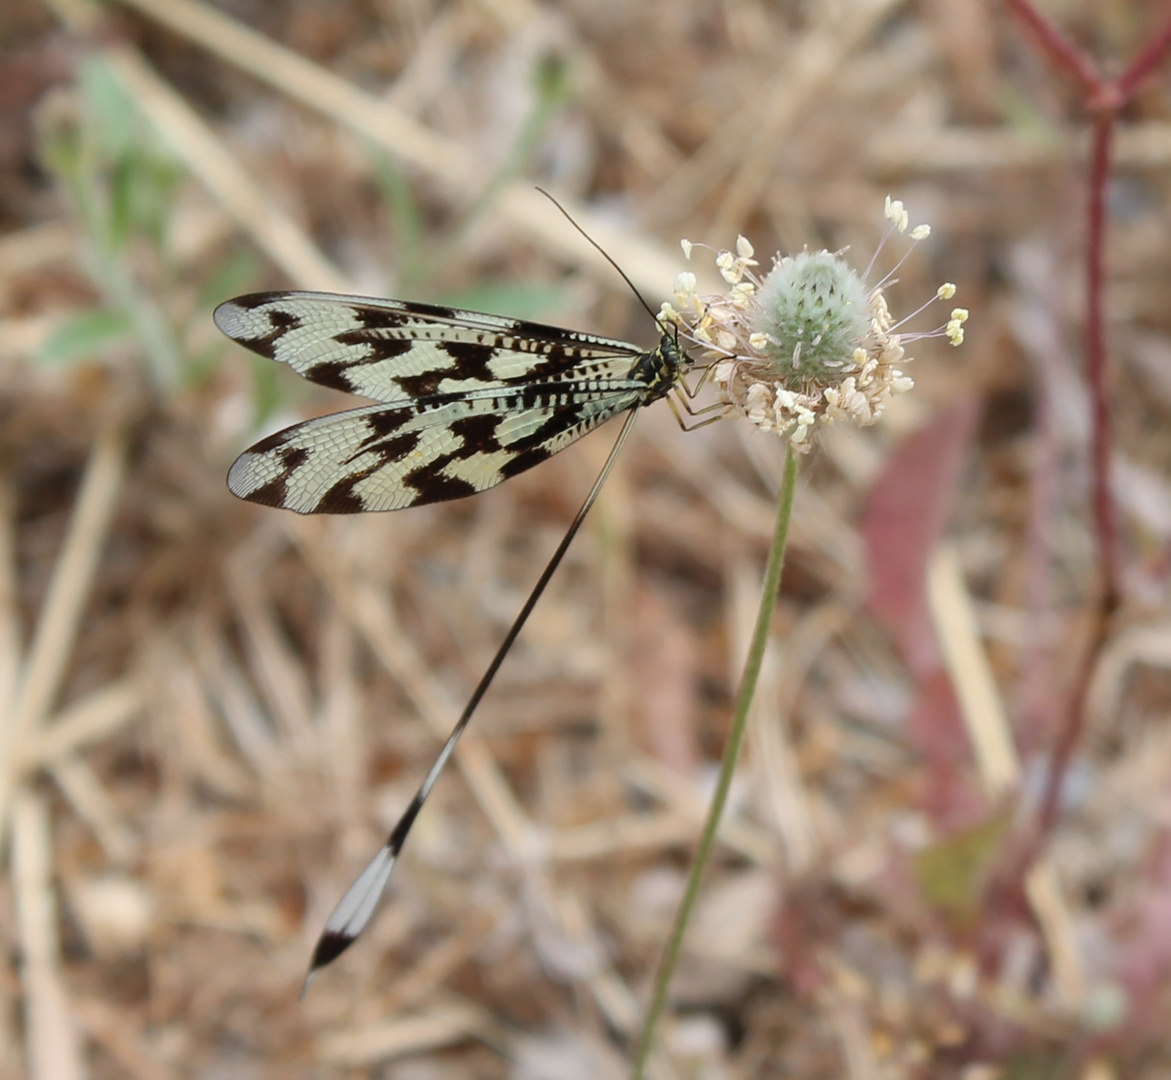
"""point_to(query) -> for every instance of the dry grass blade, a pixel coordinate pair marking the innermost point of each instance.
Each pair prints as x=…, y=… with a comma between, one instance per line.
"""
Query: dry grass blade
x=94, y=805
x=745, y=838
x=996, y=755
x=10, y=636
x=439, y=1027
x=190, y=717
x=87, y=721
x=968, y=666
x=60, y=619
x=815, y=62
x=372, y=617
x=54, y=1050
x=206, y=156
x=650, y=268
x=108, y=1027
x=748, y=140
x=950, y=150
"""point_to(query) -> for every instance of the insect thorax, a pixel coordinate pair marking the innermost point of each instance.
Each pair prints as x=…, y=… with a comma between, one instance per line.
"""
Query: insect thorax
x=660, y=368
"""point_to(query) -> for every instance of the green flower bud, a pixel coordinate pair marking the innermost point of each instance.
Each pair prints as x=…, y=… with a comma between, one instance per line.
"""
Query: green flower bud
x=813, y=313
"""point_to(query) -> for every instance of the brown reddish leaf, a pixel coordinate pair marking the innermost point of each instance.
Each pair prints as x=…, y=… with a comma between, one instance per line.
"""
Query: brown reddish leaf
x=936, y=730
x=907, y=512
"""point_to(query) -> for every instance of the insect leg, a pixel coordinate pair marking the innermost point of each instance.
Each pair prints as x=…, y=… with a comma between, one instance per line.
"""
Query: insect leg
x=680, y=406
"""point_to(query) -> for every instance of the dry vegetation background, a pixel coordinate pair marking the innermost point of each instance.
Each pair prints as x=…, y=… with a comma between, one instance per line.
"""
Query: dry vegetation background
x=212, y=712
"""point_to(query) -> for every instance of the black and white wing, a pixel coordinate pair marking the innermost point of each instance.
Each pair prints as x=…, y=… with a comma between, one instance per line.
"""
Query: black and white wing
x=468, y=399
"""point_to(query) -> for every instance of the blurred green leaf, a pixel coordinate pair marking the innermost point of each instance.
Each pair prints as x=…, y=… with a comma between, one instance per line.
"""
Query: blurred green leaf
x=551, y=78
x=133, y=169
x=266, y=388
x=60, y=140
x=406, y=220
x=142, y=188
x=1037, y=1065
x=82, y=337
x=1023, y=117
x=111, y=120
x=952, y=873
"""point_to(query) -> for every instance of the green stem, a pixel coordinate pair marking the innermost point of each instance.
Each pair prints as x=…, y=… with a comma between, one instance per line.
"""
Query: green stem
x=744, y=696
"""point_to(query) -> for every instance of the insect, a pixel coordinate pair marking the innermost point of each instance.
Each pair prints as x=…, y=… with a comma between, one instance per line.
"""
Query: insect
x=464, y=401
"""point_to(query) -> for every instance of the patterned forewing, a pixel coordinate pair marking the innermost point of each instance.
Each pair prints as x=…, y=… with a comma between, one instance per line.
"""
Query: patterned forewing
x=394, y=351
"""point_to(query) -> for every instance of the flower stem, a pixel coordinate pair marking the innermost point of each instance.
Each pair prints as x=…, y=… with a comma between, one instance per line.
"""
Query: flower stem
x=744, y=696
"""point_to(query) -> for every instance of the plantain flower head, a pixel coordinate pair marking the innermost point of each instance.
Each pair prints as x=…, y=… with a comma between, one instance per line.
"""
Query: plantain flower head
x=810, y=343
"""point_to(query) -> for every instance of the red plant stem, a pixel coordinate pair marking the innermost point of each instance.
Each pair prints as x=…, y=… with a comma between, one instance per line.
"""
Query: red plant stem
x=1063, y=52
x=1101, y=457
x=1101, y=99
x=1143, y=65
x=1097, y=367
x=1104, y=100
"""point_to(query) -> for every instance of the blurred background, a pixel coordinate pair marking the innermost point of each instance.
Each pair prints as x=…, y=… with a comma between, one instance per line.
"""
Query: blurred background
x=212, y=712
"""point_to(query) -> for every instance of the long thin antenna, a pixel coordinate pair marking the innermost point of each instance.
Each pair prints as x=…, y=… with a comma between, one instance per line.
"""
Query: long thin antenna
x=605, y=255
x=355, y=909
